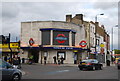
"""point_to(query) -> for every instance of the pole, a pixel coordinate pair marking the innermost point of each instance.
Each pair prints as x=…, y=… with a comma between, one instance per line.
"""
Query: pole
x=112, y=39
x=16, y=39
x=95, y=35
x=10, y=49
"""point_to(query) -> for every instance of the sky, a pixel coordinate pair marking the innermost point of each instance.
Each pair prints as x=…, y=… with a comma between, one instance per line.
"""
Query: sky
x=13, y=12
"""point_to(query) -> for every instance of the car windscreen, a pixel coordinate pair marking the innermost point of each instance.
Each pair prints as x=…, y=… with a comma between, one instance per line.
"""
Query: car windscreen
x=90, y=61
x=4, y=64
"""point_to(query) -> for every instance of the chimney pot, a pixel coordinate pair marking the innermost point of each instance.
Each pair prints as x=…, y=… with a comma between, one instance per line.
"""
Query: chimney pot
x=68, y=18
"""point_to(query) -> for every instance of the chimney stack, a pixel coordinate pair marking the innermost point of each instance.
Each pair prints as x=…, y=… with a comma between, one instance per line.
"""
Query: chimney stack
x=97, y=23
x=68, y=18
x=79, y=16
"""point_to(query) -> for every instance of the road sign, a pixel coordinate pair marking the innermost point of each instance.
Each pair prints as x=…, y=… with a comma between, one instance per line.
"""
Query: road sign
x=102, y=45
x=83, y=43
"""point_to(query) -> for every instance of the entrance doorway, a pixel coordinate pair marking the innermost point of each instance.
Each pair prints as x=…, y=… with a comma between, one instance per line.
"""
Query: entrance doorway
x=35, y=54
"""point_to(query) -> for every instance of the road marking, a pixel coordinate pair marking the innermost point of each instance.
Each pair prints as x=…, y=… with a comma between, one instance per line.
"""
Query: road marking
x=23, y=73
x=63, y=71
x=55, y=72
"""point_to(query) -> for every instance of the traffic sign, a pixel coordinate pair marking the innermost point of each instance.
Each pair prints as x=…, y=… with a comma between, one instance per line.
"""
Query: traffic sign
x=102, y=45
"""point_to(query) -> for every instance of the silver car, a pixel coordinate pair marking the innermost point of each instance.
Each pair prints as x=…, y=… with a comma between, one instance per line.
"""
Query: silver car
x=8, y=72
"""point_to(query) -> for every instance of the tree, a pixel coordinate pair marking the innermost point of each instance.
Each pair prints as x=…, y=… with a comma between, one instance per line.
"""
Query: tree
x=117, y=51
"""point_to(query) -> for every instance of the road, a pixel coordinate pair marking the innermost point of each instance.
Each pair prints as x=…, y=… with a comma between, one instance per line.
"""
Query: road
x=38, y=71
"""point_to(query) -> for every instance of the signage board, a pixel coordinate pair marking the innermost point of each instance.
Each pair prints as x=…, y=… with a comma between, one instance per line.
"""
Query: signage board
x=61, y=38
x=83, y=43
x=12, y=45
x=31, y=41
x=102, y=45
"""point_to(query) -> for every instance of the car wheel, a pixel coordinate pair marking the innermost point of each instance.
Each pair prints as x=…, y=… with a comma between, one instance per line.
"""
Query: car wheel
x=100, y=67
x=16, y=77
x=118, y=67
x=81, y=68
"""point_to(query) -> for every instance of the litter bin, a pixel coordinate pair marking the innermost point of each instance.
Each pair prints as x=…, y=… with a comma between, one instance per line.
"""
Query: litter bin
x=108, y=63
x=23, y=60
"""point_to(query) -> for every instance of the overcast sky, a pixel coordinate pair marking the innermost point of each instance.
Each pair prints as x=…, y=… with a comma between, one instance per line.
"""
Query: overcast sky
x=13, y=13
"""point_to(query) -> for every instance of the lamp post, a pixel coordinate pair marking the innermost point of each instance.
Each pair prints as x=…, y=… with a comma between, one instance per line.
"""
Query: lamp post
x=96, y=31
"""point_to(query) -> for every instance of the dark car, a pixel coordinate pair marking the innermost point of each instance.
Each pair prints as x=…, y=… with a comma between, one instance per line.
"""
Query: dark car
x=118, y=64
x=90, y=64
x=8, y=72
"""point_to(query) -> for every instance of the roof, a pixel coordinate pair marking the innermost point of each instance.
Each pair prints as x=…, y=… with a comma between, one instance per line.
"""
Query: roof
x=52, y=21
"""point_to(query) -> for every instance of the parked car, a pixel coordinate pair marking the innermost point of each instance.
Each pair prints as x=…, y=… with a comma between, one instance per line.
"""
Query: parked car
x=90, y=64
x=118, y=64
x=8, y=72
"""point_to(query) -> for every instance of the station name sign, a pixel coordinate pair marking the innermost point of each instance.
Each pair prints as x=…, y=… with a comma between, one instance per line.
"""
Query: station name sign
x=62, y=47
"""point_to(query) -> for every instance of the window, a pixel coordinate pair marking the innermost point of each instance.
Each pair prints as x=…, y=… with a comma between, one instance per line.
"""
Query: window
x=61, y=54
x=91, y=28
x=45, y=37
x=93, y=40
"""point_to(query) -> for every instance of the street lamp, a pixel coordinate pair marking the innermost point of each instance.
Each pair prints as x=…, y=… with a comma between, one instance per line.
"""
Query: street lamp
x=97, y=15
x=96, y=30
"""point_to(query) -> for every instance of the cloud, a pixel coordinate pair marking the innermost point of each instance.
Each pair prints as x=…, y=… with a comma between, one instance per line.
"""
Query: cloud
x=105, y=5
x=17, y=12
x=9, y=10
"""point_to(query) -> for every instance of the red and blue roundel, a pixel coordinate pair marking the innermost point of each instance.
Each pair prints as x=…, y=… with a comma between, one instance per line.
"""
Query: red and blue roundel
x=61, y=38
x=31, y=41
x=83, y=43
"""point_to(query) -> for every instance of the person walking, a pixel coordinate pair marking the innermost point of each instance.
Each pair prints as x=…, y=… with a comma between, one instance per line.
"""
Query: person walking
x=62, y=59
x=54, y=60
x=59, y=60
x=5, y=58
x=45, y=59
x=31, y=59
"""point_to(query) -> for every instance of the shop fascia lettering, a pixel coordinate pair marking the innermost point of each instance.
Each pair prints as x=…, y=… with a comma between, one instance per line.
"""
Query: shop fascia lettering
x=62, y=48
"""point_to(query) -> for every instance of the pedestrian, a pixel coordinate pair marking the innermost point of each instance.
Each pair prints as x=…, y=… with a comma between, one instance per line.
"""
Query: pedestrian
x=45, y=59
x=15, y=62
x=5, y=58
x=31, y=59
x=75, y=59
x=62, y=59
x=58, y=59
x=54, y=60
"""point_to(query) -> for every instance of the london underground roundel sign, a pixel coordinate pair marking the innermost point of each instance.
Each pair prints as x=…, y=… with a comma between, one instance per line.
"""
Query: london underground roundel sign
x=83, y=43
x=61, y=38
x=31, y=41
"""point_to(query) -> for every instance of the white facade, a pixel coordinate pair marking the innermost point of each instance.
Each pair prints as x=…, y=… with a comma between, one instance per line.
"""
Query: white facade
x=92, y=35
x=32, y=30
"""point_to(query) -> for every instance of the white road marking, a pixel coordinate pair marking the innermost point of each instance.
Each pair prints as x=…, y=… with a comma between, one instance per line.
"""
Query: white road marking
x=63, y=71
